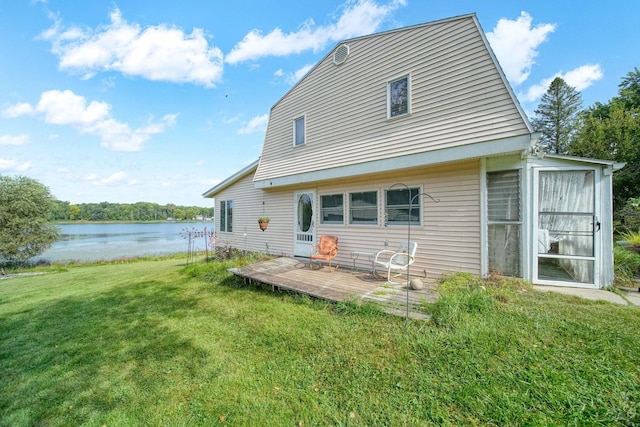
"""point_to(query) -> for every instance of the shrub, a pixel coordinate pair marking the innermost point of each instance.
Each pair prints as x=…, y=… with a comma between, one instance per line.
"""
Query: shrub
x=626, y=266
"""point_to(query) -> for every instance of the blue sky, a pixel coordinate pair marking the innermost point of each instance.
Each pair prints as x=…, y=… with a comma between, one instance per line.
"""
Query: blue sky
x=160, y=100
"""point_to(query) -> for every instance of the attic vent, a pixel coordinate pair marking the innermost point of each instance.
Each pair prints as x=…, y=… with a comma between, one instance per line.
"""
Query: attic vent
x=340, y=55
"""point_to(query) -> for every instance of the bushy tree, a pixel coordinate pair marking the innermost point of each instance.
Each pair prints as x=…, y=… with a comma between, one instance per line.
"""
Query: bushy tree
x=612, y=132
x=25, y=205
x=557, y=116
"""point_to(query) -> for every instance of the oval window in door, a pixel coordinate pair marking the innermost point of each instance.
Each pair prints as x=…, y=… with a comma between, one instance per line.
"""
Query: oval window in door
x=305, y=212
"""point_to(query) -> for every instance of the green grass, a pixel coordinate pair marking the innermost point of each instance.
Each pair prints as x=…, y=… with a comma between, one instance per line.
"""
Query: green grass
x=155, y=343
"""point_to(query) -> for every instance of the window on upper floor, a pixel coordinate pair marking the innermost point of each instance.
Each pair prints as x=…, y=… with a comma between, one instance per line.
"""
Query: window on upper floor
x=225, y=216
x=299, y=131
x=403, y=206
x=399, y=97
x=332, y=209
x=363, y=208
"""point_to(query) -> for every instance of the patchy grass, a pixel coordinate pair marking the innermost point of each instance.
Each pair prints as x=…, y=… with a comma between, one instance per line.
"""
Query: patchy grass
x=158, y=343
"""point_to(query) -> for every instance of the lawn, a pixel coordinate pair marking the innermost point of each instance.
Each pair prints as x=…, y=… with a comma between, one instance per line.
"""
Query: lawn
x=157, y=343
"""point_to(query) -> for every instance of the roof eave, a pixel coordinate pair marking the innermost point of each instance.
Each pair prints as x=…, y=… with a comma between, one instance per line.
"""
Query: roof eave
x=231, y=180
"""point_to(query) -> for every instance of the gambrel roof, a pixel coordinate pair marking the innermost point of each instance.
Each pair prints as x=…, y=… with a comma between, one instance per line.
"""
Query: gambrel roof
x=461, y=106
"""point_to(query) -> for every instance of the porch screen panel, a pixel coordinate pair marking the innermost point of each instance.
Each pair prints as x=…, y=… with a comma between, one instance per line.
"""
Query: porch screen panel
x=566, y=218
x=504, y=222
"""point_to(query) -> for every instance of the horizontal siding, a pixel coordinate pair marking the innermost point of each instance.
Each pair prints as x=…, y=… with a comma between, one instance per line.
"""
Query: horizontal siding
x=458, y=98
x=247, y=208
x=448, y=239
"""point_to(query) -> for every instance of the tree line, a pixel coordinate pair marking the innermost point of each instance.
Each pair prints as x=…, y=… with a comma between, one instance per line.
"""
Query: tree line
x=140, y=211
x=605, y=131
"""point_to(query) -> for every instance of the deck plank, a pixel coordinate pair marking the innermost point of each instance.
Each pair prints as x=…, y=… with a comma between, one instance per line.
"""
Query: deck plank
x=339, y=285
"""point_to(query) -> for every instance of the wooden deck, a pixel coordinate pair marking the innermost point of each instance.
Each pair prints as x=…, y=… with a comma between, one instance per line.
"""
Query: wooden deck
x=339, y=285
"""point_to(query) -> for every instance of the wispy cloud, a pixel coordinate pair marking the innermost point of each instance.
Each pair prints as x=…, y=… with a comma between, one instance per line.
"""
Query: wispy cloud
x=12, y=165
x=515, y=43
x=16, y=110
x=21, y=139
x=160, y=52
x=357, y=18
x=293, y=78
x=579, y=78
x=256, y=124
x=114, y=178
x=94, y=118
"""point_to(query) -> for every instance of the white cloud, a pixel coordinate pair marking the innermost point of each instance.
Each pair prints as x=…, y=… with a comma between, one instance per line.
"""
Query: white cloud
x=295, y=77
x=94, y=118
x=19, y=109
x=13, y=165
x=256, y=124
x=584, y=76
x=358, y=18
x=160, y=53
x=579, y=78
x=516, y=43
x=21, y=139
x=114, y=178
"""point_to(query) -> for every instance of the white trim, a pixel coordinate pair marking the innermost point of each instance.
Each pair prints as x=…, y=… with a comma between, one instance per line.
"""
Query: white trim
x=389, y=82
x=505, y=81
x=427, y=158
x=232, y=179
x=597, y=237
x=299, y=245
x=378, y=207
x=484, y=220
x=304, y=125
x=420, y=189
x=344, y=205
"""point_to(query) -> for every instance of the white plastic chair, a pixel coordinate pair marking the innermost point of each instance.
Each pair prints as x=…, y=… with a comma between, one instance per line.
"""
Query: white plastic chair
x=397, y=261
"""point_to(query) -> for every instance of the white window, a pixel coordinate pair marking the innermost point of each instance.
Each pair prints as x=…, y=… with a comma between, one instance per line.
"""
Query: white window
x=225, y=216
x=332, y=209
x=363, y=208
x=399, y=97
x=505, y=222
x=403, y=206
x=299, y=131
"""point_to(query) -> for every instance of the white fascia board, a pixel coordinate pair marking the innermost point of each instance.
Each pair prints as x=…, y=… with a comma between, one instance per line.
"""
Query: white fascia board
x=231, y=180
x=464, y=152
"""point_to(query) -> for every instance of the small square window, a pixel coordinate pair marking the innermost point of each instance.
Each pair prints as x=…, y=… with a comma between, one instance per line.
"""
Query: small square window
x=299, y=131
x=332, y=209
x=398, y=97
x=403, y=206
x=363, y=208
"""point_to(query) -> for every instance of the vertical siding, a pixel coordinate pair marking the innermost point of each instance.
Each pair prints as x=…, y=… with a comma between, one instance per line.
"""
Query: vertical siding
x=448, y=238
x=457, y=97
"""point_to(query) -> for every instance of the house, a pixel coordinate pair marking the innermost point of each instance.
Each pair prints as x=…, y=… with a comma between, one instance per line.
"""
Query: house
x=417, y=131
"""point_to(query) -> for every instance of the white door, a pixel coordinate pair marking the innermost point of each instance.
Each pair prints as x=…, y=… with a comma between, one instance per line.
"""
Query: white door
x=304, y=216
x=567, y=232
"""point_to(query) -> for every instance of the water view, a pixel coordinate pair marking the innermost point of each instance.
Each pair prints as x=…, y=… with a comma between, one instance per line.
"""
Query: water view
x=100, y=241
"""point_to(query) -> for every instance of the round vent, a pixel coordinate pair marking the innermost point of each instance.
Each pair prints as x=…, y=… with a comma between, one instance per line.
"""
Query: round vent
x=340, y=55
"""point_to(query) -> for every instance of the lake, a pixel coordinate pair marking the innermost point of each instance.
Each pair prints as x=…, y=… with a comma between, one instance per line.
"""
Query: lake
x=107, y=241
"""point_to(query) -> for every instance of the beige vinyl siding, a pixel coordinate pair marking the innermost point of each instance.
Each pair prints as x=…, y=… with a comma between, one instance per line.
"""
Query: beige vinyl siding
x=247, y=208
x=449, y=236
x=458, y=97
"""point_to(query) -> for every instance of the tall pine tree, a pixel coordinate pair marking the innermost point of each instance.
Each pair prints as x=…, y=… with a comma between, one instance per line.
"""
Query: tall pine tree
x=557, y=116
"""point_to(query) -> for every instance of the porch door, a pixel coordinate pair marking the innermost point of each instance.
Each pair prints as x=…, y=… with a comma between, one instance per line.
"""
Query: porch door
x=566, y=240
x=304, y=216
